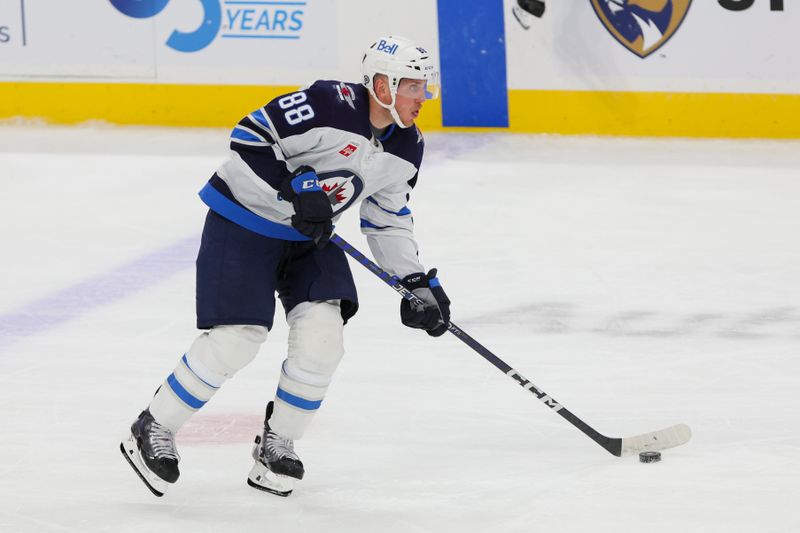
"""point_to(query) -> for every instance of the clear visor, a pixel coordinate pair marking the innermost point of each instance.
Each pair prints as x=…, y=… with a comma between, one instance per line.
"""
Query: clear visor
x=419, y=89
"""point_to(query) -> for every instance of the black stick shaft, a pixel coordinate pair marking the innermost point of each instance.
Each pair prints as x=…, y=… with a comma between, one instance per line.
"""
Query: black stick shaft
x=612, y=445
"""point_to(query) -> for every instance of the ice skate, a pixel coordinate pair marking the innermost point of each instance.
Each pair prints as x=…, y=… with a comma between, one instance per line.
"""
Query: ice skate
x=150, y=450
x=276, y=465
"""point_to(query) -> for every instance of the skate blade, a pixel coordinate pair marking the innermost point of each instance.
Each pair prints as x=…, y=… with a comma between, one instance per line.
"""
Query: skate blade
x=262, y=478
x=131, y=452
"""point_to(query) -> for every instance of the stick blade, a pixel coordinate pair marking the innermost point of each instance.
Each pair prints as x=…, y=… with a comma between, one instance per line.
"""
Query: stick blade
x=657, y=440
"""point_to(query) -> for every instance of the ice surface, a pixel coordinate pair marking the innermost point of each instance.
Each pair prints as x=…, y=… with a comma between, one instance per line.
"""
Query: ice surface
x=641, y=283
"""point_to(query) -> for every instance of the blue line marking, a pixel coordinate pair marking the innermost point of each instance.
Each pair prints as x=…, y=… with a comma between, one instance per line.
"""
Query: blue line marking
x=84, y=297
x=185, y=396
x=472, y=53
x=297, y=401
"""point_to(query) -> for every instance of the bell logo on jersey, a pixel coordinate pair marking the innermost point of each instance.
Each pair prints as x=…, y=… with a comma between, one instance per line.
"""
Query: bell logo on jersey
x=348, y=150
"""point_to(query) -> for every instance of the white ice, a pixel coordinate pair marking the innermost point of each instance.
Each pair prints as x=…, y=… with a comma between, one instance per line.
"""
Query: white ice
x=641, y=283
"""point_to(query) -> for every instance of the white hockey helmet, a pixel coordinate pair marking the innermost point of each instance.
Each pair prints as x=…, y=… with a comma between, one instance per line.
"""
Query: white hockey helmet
x=398, y=58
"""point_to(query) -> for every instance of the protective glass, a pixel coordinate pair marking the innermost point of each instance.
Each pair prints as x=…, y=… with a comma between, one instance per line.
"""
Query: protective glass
x=419, y=89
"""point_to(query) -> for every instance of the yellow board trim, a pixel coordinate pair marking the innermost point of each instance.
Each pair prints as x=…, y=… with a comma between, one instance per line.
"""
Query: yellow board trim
x=564, y=112
x=133, y=103
x=774, y=116
x=149, y=104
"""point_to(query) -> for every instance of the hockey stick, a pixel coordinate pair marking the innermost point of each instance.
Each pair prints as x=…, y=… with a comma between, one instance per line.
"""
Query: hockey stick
x=656, y=440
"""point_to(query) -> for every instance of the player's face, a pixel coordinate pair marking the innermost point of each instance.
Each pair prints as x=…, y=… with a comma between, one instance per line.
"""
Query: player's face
x=411, y=94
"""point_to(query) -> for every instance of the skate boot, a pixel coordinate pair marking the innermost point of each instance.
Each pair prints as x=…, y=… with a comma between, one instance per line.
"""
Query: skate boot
x=150, y=450
x=276, y=465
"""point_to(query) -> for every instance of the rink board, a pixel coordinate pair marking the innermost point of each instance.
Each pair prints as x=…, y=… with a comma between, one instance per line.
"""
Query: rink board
x=564, y=112
x=573, y=72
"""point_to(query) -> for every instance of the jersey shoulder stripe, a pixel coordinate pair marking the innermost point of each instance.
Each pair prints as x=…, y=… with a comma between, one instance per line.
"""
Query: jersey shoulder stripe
x=244, y=134
x=325, y=103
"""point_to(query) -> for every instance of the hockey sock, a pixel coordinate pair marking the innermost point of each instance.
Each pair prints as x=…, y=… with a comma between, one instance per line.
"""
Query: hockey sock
x=299, y=395
x=315, y=349
x=215, y=356
x=184, y=392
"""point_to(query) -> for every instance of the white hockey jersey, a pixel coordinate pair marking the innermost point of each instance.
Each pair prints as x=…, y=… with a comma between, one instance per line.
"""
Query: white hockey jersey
x=325, y=126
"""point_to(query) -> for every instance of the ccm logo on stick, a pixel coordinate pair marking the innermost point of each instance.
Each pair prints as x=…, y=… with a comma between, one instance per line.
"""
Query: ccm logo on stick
x=525, y=384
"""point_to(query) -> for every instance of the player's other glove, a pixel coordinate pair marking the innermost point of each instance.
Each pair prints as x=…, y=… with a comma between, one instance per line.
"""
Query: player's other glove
x=312, y=208
x=434, y=315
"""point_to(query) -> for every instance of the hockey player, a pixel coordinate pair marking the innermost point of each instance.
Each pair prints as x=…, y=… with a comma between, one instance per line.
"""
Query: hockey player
x=295, y=165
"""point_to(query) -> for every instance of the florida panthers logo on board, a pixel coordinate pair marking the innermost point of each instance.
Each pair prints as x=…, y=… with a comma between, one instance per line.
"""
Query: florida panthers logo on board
x=641, y=26
x=342, y=187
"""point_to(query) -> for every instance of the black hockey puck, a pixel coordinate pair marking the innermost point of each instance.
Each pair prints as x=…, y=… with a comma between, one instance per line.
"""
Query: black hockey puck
x=649, y=457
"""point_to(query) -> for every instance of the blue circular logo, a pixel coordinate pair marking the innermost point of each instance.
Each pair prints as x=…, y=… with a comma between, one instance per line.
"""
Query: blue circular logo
x=140, y=9
x=178, y=40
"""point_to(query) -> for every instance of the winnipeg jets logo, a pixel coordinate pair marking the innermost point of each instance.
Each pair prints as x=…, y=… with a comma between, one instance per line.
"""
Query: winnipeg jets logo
x=346, y=94
x=342, y=188
x=336, y=189
x=641, y=26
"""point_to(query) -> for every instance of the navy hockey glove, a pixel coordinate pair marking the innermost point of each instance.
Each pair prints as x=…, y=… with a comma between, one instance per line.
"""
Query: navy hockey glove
x=434, y=315
x=312, y=208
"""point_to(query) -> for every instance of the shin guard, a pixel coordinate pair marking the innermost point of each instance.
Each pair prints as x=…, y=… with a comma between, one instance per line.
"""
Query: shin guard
x=215, y=356
x=315, y=349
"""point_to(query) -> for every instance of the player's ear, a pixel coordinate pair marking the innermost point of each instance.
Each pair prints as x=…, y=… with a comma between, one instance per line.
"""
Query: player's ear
x=381, y=84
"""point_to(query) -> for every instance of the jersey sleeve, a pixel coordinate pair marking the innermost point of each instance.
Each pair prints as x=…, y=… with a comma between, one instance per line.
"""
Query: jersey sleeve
x=283, y=128
x=389, y=227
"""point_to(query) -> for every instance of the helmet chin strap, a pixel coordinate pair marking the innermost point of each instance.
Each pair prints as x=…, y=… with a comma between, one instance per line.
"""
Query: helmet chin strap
x=389, y=107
